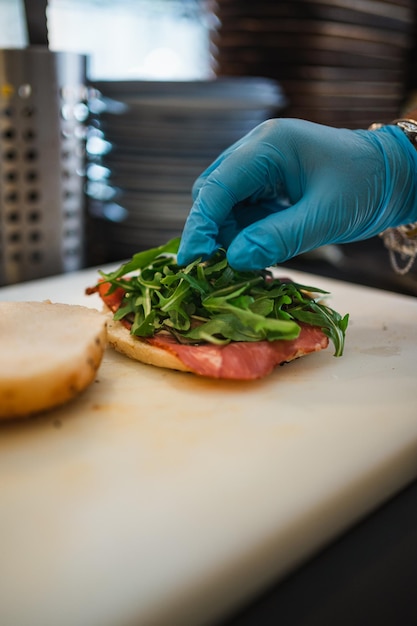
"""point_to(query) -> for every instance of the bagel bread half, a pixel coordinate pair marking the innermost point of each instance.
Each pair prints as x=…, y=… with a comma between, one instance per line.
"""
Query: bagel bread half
x=121, y=340
x=50, y=353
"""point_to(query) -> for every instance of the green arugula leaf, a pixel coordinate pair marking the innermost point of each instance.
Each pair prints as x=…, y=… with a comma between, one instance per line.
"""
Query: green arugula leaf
x=223, y=325
x=262, y=327
x=144, y=259
x=211, y=302
x=143, y=326
x=332, y=323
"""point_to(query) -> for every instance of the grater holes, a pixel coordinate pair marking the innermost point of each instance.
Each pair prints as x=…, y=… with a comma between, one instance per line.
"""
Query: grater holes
x=7, y=112
x=32, y=196
x=9, y=134
x=31, y=176
x=71, y=232
x=72, y=252
x=36, y=256
x=15, y=236
x=68, y=194
x=28, y=111
x=70, y=213
x=30, y=252
x=29, y=134
x=10, y=155
x=34, y=216
x=28, y=225
x=34, y=236
x=13, y=217
x=11, y=197
x=30, y=155
x=16, y=256
x=11, y=176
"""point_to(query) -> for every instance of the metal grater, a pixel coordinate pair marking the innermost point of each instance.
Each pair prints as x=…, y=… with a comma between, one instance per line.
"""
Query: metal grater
x=43, y=109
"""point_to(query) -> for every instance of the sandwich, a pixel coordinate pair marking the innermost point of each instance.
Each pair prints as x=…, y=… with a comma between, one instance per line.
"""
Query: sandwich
x=211, y=320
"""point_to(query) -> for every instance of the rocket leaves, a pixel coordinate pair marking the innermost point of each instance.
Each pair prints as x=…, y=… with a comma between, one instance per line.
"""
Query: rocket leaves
x=211, y=302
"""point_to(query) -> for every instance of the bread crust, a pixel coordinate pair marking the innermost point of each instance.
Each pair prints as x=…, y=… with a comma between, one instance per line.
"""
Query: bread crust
x=50, y=353
x=140, y=350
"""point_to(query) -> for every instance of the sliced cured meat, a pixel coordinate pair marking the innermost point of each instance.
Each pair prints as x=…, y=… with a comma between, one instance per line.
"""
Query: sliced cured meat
x=111, y=300
x=242, y=360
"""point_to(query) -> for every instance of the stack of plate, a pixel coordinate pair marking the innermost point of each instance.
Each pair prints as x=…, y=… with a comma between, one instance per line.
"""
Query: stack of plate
x=339, y=62
x=148, y=143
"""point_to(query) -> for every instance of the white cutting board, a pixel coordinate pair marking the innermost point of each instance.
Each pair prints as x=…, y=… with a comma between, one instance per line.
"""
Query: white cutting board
x=160, y=498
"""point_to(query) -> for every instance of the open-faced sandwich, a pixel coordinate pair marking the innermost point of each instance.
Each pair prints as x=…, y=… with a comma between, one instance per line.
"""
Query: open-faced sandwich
x=211, y=320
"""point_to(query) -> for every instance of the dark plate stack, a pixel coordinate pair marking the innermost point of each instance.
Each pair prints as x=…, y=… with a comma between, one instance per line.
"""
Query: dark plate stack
x=148, y=143
x=340, y=62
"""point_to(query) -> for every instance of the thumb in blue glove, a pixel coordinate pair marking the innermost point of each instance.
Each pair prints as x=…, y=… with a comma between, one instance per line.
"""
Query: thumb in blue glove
x=290, y=186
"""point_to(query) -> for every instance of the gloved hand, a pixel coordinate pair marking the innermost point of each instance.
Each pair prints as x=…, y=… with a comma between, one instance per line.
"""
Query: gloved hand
x=290, y=186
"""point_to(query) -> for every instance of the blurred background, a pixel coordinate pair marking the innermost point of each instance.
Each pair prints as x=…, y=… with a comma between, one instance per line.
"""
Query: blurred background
x=150, y=91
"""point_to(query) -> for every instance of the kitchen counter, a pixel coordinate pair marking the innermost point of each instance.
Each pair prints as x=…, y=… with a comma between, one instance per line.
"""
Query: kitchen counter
x=159, y=498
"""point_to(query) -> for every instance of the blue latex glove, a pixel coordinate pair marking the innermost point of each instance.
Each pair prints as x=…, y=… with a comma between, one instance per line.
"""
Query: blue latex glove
x=290, y=186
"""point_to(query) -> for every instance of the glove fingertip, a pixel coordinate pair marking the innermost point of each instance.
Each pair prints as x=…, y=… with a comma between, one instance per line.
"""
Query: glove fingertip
x=187, y=252
x=247, y=257
x=183, y=258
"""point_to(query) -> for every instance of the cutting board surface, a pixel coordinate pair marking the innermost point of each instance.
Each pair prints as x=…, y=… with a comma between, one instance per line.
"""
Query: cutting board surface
x=160, y=498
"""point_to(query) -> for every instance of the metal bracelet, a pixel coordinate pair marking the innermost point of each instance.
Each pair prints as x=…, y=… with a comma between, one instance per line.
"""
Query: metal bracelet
x=401, y=240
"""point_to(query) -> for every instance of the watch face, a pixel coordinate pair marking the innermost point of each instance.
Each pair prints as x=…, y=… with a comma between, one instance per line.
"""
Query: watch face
x=408, y=127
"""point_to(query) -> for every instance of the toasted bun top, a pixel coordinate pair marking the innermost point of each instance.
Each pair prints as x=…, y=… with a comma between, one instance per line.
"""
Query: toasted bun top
x=50, y=353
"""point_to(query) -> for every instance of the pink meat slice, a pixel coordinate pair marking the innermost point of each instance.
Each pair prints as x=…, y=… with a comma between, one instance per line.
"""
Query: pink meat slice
x=243, y=360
